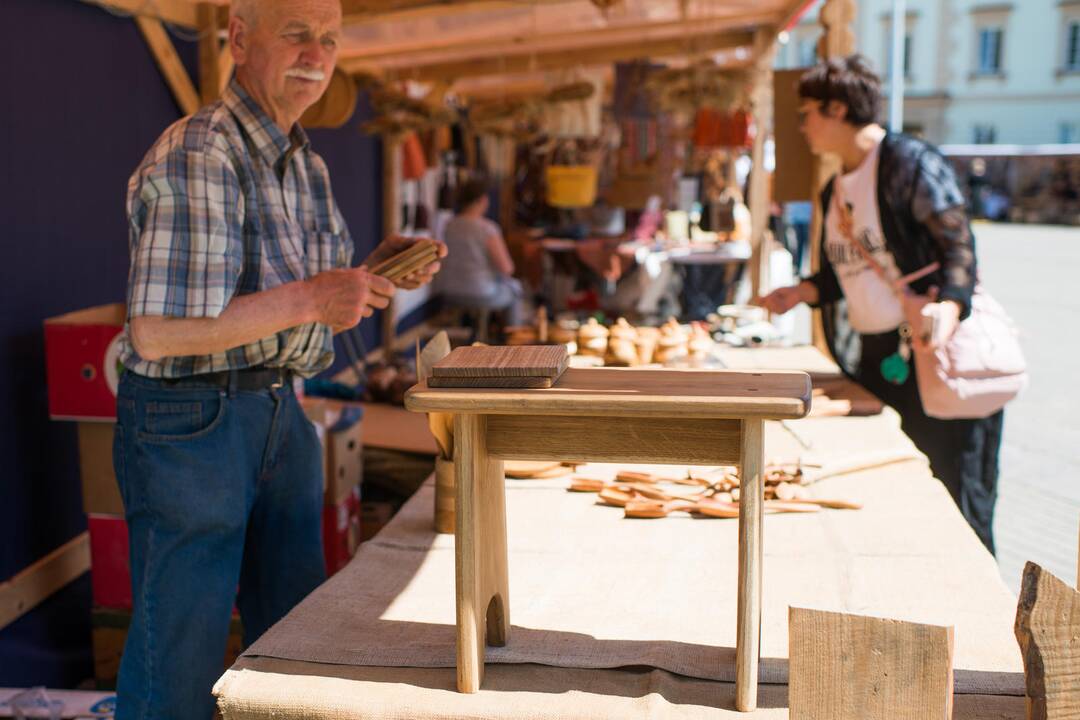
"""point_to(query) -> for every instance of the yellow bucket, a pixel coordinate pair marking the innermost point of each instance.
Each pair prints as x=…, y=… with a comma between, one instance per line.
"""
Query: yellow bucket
x=571, y=186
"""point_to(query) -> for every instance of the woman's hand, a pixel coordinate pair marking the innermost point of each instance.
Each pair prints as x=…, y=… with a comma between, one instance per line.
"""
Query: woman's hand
x=781, y=300
x=933, y=322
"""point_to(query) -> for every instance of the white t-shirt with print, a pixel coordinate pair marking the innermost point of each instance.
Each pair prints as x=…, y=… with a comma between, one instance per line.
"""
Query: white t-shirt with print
x=872, y=304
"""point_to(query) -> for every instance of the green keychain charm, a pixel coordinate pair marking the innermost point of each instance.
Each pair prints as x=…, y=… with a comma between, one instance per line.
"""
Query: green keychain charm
x=895, y=368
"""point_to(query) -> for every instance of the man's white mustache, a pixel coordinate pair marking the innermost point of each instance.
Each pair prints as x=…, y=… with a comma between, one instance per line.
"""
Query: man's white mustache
x=313, y=75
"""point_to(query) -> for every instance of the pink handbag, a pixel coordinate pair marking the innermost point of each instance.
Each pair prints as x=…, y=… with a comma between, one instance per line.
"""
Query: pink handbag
x=978, y=370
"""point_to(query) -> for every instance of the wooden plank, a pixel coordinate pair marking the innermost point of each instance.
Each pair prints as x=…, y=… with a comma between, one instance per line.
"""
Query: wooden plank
x=645, y=393
x=1048, y=631
x=483, y=594
x=852, y=667
x=169, y=63
x=503, y=361
x=175, y=12
x=27, y=589
x=679, y=441
x=751, y=526
x=520, y=62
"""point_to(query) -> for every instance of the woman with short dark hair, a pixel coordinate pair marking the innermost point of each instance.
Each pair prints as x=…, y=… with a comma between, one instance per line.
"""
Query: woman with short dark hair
x=893, y=211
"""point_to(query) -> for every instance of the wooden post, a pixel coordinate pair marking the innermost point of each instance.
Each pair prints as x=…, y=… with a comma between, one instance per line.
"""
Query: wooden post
x=210, y=82
x=838, y=40
x=762, y=108
x=751, y=525
x=391, y=183
x=482, y=580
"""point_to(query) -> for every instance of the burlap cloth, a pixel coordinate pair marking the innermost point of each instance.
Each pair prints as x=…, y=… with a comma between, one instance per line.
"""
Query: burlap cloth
x=590, y=589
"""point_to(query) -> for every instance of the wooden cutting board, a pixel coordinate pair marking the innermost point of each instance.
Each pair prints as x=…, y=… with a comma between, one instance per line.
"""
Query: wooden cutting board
x=525, y=366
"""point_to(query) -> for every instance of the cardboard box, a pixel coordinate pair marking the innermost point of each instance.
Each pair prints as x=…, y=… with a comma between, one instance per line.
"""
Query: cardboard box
x=395, y=428
x=340, y=427
x=341, y=532
x=100, y=491
x=110, y=562
x=109, y=630
x=81, y=362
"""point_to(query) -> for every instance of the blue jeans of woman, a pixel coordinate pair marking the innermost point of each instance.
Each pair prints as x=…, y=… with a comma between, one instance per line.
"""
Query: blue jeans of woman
x=222, y=492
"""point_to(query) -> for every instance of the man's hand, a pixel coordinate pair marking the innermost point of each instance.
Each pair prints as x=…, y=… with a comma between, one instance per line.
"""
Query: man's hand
x=781, y=300
x=343, y=298
x=394, y=244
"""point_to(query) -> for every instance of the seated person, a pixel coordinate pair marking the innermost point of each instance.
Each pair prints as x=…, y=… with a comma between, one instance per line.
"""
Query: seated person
x=477, y=270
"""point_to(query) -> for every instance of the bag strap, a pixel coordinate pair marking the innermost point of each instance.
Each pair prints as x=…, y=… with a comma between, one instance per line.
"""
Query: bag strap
x=846, y=224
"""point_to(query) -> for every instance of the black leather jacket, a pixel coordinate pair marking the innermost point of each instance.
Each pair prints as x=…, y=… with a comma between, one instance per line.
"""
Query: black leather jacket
x=923, y=219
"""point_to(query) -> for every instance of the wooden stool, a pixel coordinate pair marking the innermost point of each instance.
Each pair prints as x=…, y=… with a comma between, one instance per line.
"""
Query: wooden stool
x=605, y=415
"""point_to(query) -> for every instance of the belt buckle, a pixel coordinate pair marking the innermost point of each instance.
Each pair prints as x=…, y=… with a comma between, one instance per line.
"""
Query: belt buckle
x=280, y=382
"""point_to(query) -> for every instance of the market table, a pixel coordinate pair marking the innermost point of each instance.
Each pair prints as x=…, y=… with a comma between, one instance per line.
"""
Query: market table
x=605, y=415
x=632, y=626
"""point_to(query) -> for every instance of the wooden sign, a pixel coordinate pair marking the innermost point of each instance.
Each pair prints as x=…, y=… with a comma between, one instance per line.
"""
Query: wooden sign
x=1048, y=630
x=852, y=667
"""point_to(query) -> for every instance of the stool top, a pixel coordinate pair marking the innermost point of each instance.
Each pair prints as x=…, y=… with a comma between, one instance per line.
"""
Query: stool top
x=639, y=393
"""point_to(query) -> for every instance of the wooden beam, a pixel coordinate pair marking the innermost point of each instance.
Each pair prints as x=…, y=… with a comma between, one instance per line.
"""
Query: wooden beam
x=175, y=12
x=1048, y=631
x=426, y=51
x=762, y=108
x=358, y=11
x=169, y=62
x=850, y=667
x=30, y=587
x=528, y=61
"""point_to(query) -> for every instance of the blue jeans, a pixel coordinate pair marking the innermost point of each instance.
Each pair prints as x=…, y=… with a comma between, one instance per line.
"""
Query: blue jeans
x=222, y=489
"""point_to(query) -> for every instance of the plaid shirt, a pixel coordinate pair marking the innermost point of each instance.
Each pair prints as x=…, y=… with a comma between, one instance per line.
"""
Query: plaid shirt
x=223, y=205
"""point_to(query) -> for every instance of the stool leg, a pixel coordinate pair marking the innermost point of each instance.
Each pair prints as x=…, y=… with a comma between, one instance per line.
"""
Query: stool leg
x=751, y=520
x=479, y=550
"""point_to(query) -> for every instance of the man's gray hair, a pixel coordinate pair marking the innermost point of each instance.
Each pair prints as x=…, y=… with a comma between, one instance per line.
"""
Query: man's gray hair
x=248, y=10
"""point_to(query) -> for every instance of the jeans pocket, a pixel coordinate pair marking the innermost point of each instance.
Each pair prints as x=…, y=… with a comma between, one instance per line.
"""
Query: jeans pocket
x=174, y=421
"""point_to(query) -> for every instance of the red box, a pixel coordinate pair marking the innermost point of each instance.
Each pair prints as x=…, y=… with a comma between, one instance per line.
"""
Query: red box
x=110, y=563
x=81, y=362
x=341, y=532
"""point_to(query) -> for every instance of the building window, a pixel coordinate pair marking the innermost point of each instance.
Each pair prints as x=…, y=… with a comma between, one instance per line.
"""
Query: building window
x=990, y=47
x=1072, y=46
x=906, y=58
x=984, y=134
x=1069, y=132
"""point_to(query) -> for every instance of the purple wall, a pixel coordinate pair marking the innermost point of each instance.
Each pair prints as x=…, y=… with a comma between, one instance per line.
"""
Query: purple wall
x=82, y=103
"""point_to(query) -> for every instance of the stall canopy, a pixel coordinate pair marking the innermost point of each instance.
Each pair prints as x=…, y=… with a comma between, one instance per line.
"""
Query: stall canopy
x=450, y=41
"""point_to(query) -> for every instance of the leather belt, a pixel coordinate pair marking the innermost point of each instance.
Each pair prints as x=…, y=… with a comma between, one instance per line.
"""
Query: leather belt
x=250, y=379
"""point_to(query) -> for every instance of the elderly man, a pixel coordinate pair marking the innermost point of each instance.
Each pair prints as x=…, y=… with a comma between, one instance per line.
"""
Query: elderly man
x=240, y=274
